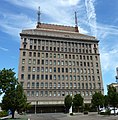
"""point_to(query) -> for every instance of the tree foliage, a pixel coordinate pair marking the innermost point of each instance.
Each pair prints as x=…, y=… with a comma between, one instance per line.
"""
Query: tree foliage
x=112, y=96
x=14, y=97
x=7, y=79
x=68, y=102
x=97, y=99
x=106, y=101
x=77, y=101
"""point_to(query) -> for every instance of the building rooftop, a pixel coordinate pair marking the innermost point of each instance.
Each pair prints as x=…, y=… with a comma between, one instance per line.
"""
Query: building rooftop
x=56, y=27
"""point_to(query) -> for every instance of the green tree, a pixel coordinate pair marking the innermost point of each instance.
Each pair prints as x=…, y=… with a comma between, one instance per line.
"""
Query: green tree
x=7, y=79
x=106, y=101
x=77, y=101
x=14, y=99
x=68, y=102
x=97, y=100
x=112, y=96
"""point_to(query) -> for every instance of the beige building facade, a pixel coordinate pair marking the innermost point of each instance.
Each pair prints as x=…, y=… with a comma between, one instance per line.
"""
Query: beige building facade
x=56, y=61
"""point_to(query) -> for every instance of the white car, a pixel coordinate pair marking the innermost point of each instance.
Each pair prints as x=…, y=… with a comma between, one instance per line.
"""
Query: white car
x=112, y=111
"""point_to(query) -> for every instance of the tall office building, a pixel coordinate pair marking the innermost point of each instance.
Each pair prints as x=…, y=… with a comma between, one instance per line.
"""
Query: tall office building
x=55, y=61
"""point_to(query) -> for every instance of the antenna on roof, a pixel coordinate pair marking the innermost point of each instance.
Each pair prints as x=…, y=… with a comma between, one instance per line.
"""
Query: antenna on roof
x=39, y=13
x=38, y=20
x=76, y=23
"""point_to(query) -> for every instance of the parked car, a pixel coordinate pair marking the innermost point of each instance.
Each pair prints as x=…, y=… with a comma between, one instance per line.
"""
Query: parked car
x=112, y=111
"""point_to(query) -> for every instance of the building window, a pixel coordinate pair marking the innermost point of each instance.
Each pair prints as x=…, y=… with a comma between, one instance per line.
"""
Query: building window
x=58, y=55
x=30, y=54
x=62, y=77
x=97, y=71
x=33, y=77
x=37, y=93
x=32, y=93
x=46, y=77
x=54, y=55
x=28, y=93
x=70, y=77
x=50, y=77
x=23, y=61
x=42, y=84
x=62, y=70
x=70, y=70
x=54, y=93
x=46, y=85
x=42, y=62
x=38, y=77
x=46, y=69
x=29, y=69
x=59, y=86
x=59, y=70
x=71, y=85
x=41, y=93
x=50, y=93
x=37, y=85
x=34, y=54
x=50, y=85
x=74, y=77
x=58, y=77
x=46, y=62
x=28, y=85
x=38, y=54
x=66, y=70
x=24, y=53
x=38, y=62
x=42, y=69
x=42, y=77
x=22, y=76
x=50, y=62
x=66, y=85
x=54, y=77
x=38, y=69
x=34, y=69
x=33, y=84
x=28, y=76
x=46, y=93
x=54, y=85
x=58, y=62
x=54, y=62
x=50, y=69
x=23, y=68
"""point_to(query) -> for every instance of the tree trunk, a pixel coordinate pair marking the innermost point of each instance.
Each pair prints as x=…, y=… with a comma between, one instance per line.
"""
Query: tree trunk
x=114, y=111
x=98, y=109
x=13, y=114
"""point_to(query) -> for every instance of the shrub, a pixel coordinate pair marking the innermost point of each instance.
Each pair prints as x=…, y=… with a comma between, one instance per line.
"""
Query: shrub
x=85, y=112
x=3, y=113
x=71, y=113
x=107, y=112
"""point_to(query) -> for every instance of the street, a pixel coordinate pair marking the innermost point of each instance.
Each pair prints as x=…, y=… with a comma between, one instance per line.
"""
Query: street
x=78, y=116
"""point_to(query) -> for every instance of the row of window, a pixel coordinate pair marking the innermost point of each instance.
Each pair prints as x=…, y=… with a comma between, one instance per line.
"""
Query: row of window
x=59, y=62
x=59, y=56
x=60, y=70
x=58, y=49
x=58, y=43
x=63, y=85
x=57, y=93
x=59, y=77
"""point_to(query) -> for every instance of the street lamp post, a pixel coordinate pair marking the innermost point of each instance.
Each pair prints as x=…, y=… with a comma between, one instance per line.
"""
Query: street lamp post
x=35, y=106
x=71, y=108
